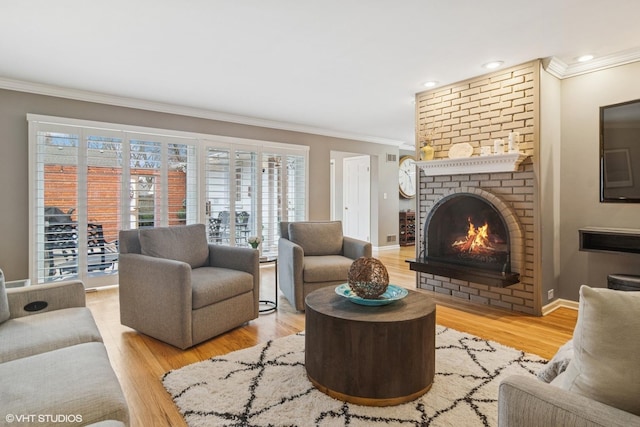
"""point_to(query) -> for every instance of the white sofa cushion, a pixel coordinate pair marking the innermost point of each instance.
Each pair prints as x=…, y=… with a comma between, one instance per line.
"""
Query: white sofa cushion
x=606, y=344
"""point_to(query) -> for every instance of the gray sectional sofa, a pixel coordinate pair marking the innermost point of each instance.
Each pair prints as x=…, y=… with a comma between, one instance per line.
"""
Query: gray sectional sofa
x=54, y=368
x=529, y=402
x=594, y=380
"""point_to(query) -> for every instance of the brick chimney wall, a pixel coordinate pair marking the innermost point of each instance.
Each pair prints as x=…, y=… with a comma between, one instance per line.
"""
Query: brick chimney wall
x=477, y=112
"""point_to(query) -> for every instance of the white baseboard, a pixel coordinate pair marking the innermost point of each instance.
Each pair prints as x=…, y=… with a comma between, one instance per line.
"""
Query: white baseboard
x=559, y=303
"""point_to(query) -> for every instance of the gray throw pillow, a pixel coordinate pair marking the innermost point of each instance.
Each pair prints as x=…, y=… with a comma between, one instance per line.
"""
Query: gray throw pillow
x=558, y=364
x=186, y=243
x=606, y=344
x=4, y=302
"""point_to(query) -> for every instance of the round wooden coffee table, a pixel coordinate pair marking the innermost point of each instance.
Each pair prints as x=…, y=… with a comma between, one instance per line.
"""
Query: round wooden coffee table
x=376, y=356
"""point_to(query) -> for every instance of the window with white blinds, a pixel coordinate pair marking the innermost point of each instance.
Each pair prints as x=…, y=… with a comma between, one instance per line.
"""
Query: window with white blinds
x=246, y=196
x=55, y=231
x=283, y=194
x=296, y=188
x=89, y=180
x=218, y=194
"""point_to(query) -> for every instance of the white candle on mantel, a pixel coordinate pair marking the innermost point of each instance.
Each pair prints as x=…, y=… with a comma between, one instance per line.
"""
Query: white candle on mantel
x=498, y=146
x=514, y=142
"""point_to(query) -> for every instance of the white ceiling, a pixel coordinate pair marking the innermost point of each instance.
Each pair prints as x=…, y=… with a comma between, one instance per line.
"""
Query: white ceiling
x=341, y=67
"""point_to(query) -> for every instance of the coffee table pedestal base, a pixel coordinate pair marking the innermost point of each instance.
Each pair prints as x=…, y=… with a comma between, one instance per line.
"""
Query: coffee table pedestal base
x=364, y=401
x=376, y=356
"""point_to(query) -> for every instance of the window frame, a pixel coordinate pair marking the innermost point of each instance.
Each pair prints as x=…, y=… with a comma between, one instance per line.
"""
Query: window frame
x=129, y=132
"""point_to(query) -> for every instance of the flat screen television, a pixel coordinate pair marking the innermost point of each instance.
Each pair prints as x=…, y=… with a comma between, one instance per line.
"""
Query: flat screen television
x=620, y=152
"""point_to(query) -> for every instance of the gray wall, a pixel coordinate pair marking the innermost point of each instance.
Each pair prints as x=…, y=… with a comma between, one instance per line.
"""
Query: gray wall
x=579, y=178
x=14, y=168
x=549, y=184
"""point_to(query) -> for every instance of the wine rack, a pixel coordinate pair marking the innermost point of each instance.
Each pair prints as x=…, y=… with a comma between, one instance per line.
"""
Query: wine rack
x=407, y=228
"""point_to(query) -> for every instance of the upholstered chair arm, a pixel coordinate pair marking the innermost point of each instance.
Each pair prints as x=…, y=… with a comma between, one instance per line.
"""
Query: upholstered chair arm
x=241, y=259
x=57, y=296
x=354, y=249
x=290, y=267
x=529, y=402
x=155, y=297
x=235, y=258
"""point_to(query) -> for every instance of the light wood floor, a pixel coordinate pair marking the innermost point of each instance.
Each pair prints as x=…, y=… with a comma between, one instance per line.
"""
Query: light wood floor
x=140, y=361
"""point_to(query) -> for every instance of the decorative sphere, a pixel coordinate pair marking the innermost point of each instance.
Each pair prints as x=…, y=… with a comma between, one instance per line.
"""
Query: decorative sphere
x=368, y=277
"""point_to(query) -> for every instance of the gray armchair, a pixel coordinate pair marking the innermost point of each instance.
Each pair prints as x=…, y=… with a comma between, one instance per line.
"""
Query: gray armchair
x=177, y=288
x=312, y=255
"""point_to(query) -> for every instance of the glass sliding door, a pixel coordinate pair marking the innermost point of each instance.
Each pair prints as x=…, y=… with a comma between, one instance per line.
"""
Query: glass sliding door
x=56, y=203
x=218, y=195
x=89, y=180
x=246, y=197
x=272, y=197
x=283, y=195
x=89, y=183
x=77, y=205
x=145, y=191
x=182, y=184
x=102, y=214
x=231, y=195
x=296, y=184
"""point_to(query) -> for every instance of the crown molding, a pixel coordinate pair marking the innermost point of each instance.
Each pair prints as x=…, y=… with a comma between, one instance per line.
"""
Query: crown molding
x=558, y=68
x=120, y=101
x=555, y=67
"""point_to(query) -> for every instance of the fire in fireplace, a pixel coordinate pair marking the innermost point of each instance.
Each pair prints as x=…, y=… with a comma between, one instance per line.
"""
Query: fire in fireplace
x=480, y=244
x=468, y=230
x=466, y=237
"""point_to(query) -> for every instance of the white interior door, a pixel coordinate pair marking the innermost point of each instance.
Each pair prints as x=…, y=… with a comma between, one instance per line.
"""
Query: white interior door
x=357, y=197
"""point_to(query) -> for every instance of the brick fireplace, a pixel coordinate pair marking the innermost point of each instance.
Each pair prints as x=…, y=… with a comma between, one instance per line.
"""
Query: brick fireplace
x=477, y=112
x=475, y=235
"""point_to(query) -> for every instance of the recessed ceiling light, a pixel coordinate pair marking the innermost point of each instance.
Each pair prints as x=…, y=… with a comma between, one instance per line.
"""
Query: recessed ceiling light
x=585, y=58
x=493, y=65
x=431, y=83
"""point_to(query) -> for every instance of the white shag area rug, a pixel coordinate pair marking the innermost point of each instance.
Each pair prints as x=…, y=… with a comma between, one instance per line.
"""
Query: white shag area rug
x=267, y=385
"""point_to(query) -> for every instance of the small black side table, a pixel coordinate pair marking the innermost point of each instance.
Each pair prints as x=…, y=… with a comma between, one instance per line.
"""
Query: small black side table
x=272, y=306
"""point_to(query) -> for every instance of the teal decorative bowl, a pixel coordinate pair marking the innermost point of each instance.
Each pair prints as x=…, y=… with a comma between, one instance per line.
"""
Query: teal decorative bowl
x=393, y=293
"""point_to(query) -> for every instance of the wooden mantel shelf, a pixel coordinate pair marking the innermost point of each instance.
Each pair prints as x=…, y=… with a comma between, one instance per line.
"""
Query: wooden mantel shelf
x=508, y=162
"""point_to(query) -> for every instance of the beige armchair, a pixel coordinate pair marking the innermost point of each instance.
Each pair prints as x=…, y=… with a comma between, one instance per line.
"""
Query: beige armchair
x=177, y=288
x=312, y=255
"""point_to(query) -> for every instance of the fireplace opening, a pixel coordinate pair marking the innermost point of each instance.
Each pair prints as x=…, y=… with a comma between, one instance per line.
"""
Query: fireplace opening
x=466, y=237
x=467, y=230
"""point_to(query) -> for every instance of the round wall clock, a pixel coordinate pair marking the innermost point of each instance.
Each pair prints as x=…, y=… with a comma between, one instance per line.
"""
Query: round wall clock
x=407, y=177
